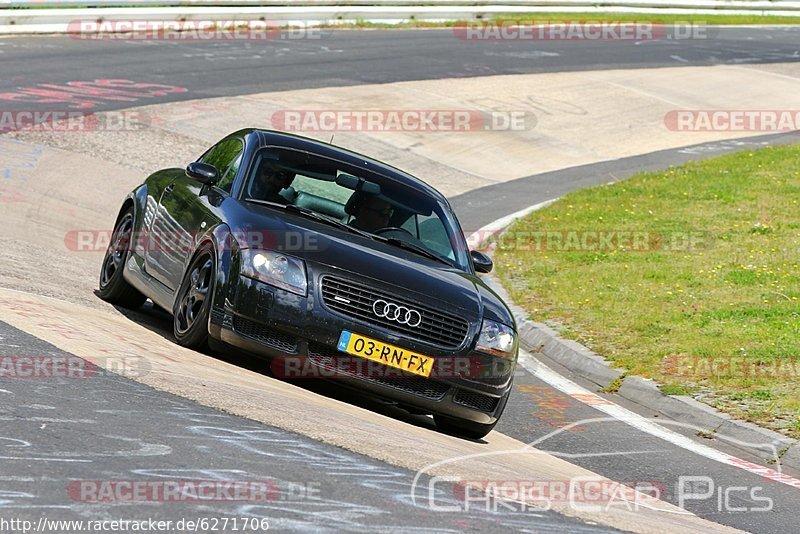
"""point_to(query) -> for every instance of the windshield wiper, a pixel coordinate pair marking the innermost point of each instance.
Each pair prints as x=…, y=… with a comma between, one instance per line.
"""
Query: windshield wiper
x=422, y=251
x=311, y=214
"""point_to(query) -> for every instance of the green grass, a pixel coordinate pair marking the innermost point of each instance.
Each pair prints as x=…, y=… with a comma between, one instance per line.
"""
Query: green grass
x=674, y=389
x=708, y=305
x=711, y=20
x=539, y=18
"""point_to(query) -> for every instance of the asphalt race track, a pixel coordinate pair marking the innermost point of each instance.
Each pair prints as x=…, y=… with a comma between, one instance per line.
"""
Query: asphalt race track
x=114, y=428
x=341, y=58
x=114, y=424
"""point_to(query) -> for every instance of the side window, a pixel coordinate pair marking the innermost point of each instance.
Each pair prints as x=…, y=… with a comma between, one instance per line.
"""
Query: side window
x=226, y=157
x=226, y=182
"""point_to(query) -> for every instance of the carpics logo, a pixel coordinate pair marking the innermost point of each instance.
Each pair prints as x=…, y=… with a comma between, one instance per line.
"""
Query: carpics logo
x=189, y=30
x=401, y=120
x=589, y=493
x=733, y=120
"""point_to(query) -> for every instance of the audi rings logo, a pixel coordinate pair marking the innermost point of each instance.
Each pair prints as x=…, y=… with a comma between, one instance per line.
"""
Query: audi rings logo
x=395, y=312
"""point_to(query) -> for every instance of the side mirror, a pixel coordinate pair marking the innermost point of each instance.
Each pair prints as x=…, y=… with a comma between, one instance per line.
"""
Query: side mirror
x=482, y=262
x=204, y=173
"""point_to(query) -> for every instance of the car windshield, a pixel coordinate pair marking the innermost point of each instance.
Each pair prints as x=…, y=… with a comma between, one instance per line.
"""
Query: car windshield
x=365, y=201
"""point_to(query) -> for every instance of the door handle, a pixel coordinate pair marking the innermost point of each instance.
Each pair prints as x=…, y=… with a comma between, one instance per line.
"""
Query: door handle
x=169, y=188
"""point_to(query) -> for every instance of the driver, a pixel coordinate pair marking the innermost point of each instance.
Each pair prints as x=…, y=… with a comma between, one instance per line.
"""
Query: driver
x=370, y=212
x=269, y=182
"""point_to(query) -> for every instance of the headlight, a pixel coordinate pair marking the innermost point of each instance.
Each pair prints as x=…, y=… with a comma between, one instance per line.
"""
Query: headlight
x=496, y=338
x=279, y=270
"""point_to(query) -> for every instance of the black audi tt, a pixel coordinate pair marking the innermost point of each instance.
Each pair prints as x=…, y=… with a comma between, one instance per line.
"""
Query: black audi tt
x=327, y=262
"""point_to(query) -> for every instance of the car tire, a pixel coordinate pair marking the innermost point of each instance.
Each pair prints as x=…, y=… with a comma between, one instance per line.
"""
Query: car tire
x=463, y=427
x=193, y=304
x=113, y=286
x=470, y=429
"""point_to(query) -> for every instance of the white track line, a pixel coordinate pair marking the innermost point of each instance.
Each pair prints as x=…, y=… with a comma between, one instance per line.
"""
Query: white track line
x=547, y=375
x=544, y=373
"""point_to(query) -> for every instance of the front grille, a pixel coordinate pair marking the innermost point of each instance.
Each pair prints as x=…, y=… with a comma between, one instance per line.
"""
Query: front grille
x=483, y=403
x=264, y=334
x=326, y=357
x=217, y=315
x=356, y=300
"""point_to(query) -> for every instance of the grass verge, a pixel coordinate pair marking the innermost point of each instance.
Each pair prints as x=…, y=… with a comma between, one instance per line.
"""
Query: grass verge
x=688, y=276
x=542, y=18
x=658, y=18
x=525, y=18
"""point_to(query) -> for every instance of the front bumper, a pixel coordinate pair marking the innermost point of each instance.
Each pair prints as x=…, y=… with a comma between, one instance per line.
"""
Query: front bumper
x=301, y=333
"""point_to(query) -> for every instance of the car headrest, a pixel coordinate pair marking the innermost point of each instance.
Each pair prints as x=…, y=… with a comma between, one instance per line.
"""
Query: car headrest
x=290, y=194
x=320, y=204
x=352, y=203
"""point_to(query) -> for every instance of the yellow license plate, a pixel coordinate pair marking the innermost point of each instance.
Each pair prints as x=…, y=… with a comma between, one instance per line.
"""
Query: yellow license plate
x=385, y=353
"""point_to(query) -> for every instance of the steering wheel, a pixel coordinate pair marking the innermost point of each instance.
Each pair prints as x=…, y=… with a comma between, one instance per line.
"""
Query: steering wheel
x=387, y=229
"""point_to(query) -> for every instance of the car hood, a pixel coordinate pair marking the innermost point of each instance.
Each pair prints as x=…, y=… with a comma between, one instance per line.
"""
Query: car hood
x=398, y=271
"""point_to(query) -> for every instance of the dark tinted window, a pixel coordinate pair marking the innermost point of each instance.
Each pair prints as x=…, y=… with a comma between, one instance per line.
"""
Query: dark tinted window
x=367, y=201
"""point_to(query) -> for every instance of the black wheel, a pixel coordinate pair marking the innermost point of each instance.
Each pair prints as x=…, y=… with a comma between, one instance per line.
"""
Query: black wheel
x=462, y=427
x=113, y=286
x=193, y=305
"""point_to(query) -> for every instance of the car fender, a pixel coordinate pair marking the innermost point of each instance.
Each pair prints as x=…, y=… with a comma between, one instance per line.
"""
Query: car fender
x=225, y=247
x=137, y=199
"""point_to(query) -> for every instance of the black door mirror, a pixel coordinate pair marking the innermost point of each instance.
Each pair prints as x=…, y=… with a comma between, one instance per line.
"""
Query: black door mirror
x=482, y=262
x=205, y=173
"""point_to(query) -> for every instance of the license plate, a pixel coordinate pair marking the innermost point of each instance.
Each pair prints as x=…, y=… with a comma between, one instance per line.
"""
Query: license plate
x=387, y=354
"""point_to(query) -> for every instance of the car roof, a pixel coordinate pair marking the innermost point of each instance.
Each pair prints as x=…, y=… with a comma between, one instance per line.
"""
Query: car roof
x=266, y=138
